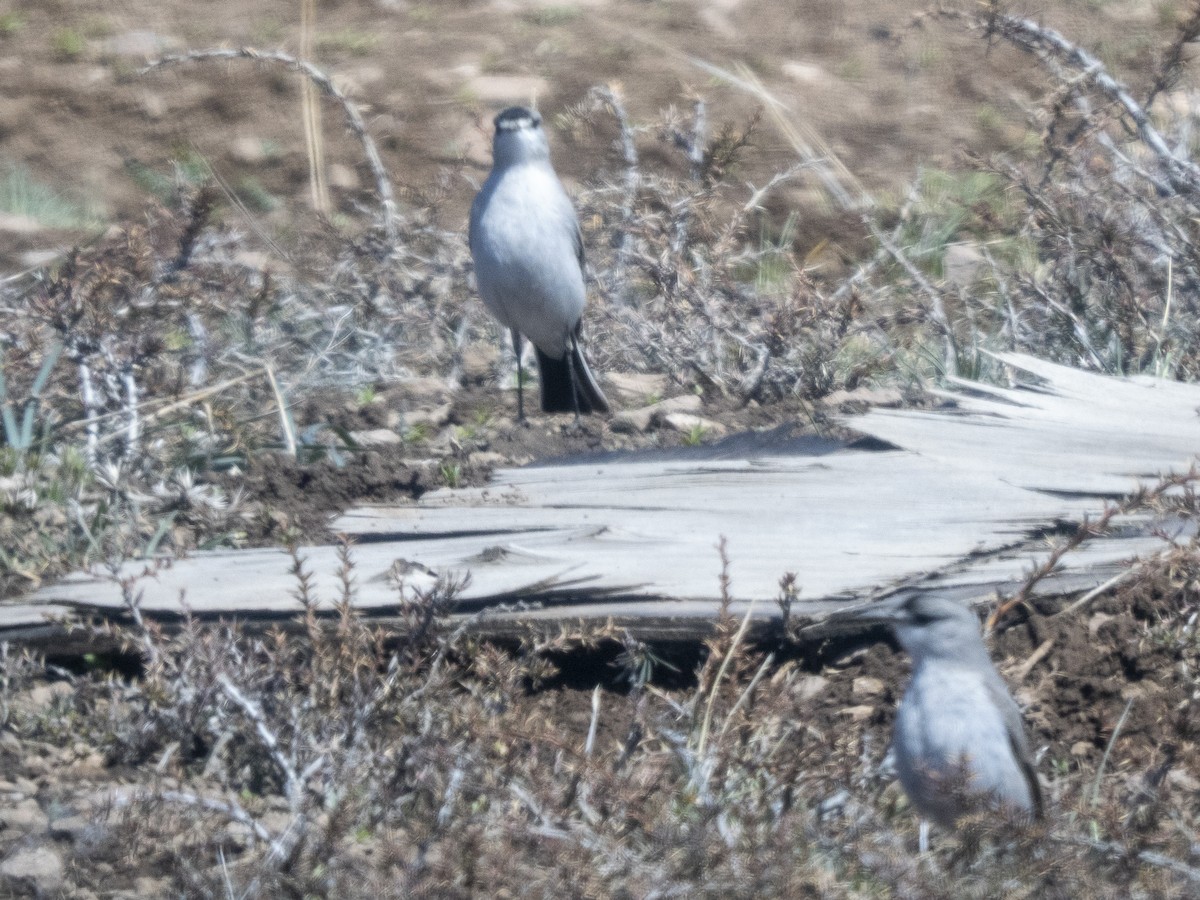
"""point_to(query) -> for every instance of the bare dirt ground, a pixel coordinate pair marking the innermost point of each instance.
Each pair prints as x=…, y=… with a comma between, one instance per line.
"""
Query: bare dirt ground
x=888, y=88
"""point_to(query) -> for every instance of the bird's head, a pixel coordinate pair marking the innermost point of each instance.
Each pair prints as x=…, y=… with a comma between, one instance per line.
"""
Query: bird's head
x=519, y=137
x=930, y=626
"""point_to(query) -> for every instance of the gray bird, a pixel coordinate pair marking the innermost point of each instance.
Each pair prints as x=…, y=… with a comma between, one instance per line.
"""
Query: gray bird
x=528, y=255
x=959, y=741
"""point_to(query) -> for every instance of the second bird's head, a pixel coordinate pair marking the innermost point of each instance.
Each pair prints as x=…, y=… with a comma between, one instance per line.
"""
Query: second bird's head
x=930, y=626
x=519, y=137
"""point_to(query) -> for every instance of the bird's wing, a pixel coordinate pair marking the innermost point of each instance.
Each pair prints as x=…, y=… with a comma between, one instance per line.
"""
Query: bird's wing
x=1017, y=738
x=577, y=236
x=475, y=207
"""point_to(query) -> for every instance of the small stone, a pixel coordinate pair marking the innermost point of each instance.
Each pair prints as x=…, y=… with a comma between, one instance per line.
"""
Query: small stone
x=638, y=420
x=276, y=821
x=688, y=424
x=478, y=360
x=153, y=104
x=631, y=421
x=865, y=686
x=256, y=260
x=138, y=44
x=342, y=177
x=89, y=764
x=865, y=396
x=686, y=403
x=376, y=437
x=858, y=713
x=41, y=696
x=10, y=742
x=636, y=387
x=16, y=223
x=1183, y=780
x=145, y=886
x=248, y=150
x=491, y=90
x=25, y=817
x=811, y=686
x=434, y=417
x=488, y=459
x=962, y=264
x=805, y=73
x=35, y=869
x=429, y=390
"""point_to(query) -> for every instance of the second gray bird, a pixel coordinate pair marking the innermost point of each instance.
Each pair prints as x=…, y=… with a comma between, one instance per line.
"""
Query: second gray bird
x=528, y=254
x=959, y=741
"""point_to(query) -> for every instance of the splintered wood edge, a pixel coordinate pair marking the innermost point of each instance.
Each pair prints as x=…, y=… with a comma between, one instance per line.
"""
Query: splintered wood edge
x=88, y=629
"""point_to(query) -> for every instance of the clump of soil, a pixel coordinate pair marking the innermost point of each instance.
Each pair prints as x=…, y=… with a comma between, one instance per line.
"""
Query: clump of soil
x=295, y=499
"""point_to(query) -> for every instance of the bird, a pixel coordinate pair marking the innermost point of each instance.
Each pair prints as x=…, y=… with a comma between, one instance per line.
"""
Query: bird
x=959, y=743
x=529, y=263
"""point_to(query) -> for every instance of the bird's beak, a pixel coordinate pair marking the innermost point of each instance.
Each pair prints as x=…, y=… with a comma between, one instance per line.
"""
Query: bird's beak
x=879, y=611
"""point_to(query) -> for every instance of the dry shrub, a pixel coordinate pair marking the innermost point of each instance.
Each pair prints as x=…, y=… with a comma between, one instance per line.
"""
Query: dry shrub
x=329, y=757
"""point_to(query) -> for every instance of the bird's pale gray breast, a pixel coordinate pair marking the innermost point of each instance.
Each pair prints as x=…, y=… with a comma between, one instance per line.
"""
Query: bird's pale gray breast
x=523, y=241
x=951, y=717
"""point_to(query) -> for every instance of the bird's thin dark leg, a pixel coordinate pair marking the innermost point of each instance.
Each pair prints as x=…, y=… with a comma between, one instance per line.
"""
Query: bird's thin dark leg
x=516, y=341
x=571, y=351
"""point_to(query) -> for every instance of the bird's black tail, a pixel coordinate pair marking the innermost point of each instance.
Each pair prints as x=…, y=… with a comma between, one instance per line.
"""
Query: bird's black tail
x=555, y=377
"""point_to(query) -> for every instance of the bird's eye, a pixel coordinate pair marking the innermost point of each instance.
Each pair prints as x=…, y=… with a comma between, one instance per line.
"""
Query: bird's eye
x=917, y=615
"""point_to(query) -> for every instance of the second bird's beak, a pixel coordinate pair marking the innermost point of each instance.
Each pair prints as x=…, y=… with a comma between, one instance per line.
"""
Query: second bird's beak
x=889, y=610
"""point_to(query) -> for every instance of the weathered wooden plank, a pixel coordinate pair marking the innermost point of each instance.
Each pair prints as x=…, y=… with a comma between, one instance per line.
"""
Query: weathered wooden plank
x=636, y=540
x=1085, y=433
x=848, y=524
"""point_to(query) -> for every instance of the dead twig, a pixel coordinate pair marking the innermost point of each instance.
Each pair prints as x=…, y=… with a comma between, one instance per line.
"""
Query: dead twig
x=383, y=184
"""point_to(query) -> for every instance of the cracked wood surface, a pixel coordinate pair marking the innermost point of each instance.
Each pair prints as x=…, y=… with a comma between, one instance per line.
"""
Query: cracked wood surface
x=959, y=507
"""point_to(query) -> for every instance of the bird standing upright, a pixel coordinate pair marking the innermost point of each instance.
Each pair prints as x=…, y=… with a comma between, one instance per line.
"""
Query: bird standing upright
x=959, y=741
x=528, y=254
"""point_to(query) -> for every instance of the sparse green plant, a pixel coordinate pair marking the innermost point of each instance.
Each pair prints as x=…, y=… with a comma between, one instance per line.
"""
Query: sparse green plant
x=11, y=23
x=256, y=197
x=988, y=117
x=852, y=68
x=1167, y=12
x=418, y=433
x=774, y=263
x=67, y=44
x=422, y=13
x=452, y=475
x=928, y=56
x=551, y=16
x=268, y=31
x=19, y=435
x=347, y=40
x=23, y=195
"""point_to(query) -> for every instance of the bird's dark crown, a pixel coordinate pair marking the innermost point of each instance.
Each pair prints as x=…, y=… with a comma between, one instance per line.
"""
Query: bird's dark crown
x=517, y=117
x=922, y=609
